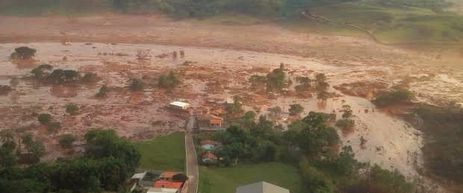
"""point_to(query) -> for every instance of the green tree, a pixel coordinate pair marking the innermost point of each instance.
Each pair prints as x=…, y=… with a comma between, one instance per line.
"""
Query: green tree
x=44, y=118
x=136, y=85
x=23, y=53
x=276, y=80
x=66, y=140
x=7, y=149
x=295, y=109
x=314, y=180
x=72, y=109
x=168, y=81
x=103, y=91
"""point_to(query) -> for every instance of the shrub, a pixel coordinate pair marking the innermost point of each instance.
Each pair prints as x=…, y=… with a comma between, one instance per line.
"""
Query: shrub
x=136, y=85
x=66, y=140
x=398, y=96
x=345, y=124
x=103, y=92
x=72, y=109
x=44, y=118
x=5, y=89
x=169, y=81
x=295, y=109
x=23, y=53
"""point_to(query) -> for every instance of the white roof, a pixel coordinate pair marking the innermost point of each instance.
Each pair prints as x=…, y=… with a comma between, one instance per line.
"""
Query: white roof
x=139, y=175
x=161, y=190
x=180, y=104
x=261, y=187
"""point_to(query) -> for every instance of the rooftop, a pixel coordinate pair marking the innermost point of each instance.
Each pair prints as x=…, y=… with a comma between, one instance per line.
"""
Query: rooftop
x=261, y=187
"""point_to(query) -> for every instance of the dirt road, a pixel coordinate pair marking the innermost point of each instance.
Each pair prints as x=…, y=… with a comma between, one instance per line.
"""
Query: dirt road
x=192, y=169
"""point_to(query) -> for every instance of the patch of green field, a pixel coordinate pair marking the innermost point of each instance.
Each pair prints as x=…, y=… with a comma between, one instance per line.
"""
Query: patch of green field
x=225, y=180
x=163, y=153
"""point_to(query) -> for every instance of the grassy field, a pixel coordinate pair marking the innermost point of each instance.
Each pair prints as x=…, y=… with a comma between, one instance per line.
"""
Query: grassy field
x=225, y=180
x=163, y=153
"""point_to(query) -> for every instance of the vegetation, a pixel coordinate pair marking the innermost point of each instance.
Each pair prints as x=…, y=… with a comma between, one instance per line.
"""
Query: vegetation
x=443, y=130
x=103, y=91
x=295, y=109
x=5, y=89
x=321, y=86
x=66, y=140
x=168, y=81
x=225, y=180
x=163, y=153
x=72, y=109
x=394, y=97
x=46, y=74
x=276, y=79
x=44, y=118
x=304, y=84
x=136, y=85
x=23, y=53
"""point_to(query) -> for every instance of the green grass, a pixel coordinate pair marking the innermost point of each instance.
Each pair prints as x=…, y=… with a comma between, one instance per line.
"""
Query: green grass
x=163, y=153
x=225, y=180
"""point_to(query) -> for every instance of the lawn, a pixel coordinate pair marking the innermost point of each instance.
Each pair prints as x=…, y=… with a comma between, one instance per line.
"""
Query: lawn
x=225, y=180
x=163, y=153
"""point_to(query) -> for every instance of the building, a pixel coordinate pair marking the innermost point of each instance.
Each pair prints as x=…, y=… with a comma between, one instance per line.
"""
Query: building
x=209, y=145
x=209, y=121
x=167, y=184
x=209, y=158
x=179, y=105
x=261, y=187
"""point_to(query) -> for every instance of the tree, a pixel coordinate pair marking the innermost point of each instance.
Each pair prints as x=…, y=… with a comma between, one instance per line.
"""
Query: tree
x=304, y=84
x=393, y=97
x=7, y=149
x=42, y=72
x=346, y=111
x=44, y=118
x=66, y=140
x=33, y=146
x=72, y=109
x=295, y=109
x=235, y=107
x=314, y=180
x=103, y=91
x=23, y=53
x=168, y=81
x=321, y=87
x=276, y=80
x=136, y=85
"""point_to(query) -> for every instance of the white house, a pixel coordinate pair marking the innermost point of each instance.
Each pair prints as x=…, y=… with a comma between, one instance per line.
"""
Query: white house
x=180, y=105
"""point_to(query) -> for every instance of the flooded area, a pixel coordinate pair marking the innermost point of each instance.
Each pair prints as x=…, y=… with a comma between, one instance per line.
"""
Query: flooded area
x=206, y=74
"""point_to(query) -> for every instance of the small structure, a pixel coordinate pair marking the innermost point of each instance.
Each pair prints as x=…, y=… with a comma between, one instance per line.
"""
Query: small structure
x=210, y=121
x=180, y=105
x=261, y=187
x=168, y=184
x=168, y=176
x=209, y=145
x=209, y=158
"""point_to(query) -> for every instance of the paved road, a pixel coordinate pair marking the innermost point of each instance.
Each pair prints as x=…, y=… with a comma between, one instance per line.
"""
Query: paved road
x=192, y=169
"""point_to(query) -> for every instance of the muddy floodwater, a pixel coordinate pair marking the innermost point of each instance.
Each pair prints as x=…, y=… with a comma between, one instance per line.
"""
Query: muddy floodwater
x=389, y=141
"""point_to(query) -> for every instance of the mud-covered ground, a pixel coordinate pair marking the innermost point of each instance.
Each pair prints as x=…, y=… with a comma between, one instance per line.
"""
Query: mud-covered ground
x=220, y=59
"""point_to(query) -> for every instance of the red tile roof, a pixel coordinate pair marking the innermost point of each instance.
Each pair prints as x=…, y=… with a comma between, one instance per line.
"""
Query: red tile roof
x=167, y=184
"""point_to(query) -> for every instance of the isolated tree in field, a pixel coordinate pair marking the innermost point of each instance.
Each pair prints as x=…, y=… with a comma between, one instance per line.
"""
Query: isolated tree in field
x=23, y=53
x=168, y=81
x=72, y=109
x=346, y=111
x=136, y=85
x=43, y=71
x=66, y=140
x=276, y=80
x=304, y=83
x=295, y=109
x=44, y=118
x=102, y=92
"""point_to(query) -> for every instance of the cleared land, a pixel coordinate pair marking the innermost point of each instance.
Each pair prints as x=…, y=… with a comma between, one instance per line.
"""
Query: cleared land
x=163, y=153
x=225, y=180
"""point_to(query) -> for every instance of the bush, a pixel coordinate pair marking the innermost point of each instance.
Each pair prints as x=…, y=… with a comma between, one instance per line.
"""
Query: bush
x=42, y=72
x=295, y=109
x=345, y=124
x=394, y=97
x=23, y=53
x=66, y=140
x=103, y=92
x=72, y=109
x=5, y=89
x=44, y=118
x=169, y=81
x=136, y=85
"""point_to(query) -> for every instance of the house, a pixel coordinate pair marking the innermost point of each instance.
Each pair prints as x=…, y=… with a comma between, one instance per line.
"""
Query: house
x=162, y=190
x=209, y=145
x=168, y=176
x=209, y=158
x=210, y=121
x=261, y=187
x=179, y=105
x=167, y=184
